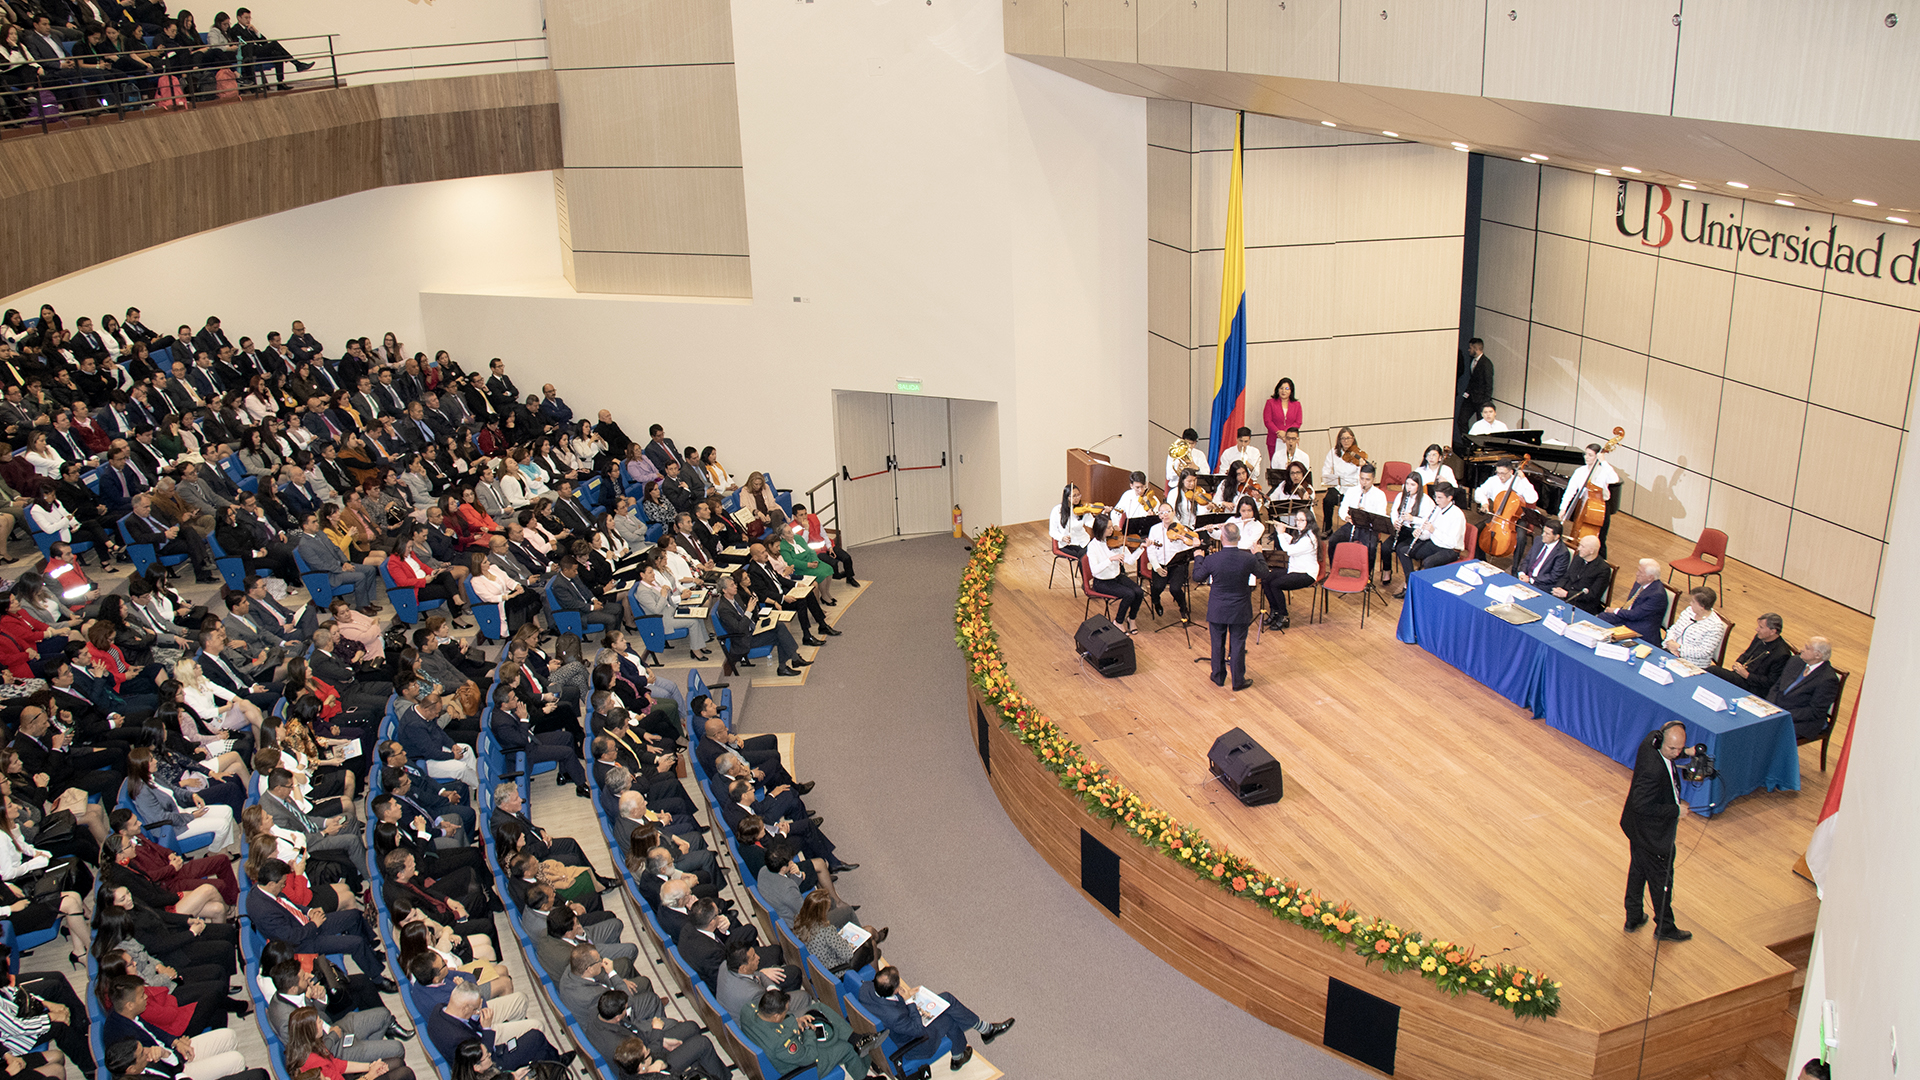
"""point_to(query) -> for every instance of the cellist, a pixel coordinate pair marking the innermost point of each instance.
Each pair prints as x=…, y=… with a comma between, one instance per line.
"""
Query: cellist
x=1506, y=477
x=1599, y=473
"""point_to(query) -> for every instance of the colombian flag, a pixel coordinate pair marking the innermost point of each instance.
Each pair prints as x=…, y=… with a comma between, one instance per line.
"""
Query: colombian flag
x=1230, y=367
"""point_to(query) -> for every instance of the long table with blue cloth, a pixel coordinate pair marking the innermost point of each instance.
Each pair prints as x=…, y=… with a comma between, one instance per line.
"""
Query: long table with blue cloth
x=1605, y=703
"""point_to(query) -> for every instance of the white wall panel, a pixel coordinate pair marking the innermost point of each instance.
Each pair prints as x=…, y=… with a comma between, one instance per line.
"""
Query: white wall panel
x=1506, y=341
x=1183, y=33
x=1759, y=440
x=1613, y=389
x=1833, y=562
x=1299, y=39
x=1770, y=344
x=1846, y=470
x=1560, y=282
x=1756, y=533
x=1617, y=55
x=1769, y=256
x=1566, y=202
x=1619, y=307
x=1392, y=285
x=1510, y=192
x=1692, y=310
x=1400, y=189
x=1553, y=374
x=1863, y=359
x=1671, y=497
x=1506, y=269
x=1170, y=197
x=1291, y=293
x=1168, y=383
x=1102, y=30
x=1414, y=44
x=1169, y=300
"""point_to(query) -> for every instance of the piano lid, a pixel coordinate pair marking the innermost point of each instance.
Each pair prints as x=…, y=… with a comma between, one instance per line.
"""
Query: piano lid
x=1496, y=447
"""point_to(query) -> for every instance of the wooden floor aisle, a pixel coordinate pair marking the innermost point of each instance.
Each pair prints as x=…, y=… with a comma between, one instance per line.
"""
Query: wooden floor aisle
x=1423, y=797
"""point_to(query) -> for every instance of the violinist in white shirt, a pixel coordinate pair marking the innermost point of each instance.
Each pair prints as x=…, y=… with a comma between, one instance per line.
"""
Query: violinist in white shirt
x=1433, y=468
x=1108, y=567
x=1136, y=501
x=1068, y=529
x=1189, y=499
x=1165, y=544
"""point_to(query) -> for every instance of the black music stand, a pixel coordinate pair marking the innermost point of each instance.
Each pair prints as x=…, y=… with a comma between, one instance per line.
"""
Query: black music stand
x=1382, y=526
x=1141, y=526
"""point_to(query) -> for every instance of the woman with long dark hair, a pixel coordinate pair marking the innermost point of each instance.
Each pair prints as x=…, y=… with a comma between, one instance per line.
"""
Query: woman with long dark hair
x=1282, y=411
x=1068, y=529
x=307, y=1035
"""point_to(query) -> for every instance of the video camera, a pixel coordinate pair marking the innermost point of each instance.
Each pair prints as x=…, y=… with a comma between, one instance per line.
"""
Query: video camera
x=1699, y=768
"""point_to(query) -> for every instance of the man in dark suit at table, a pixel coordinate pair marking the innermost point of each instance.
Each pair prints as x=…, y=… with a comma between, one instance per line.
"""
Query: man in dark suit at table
x=1544, y=563
x=1587, y=580
x=1651, y=820
x=1646, y=604
x=1758, y=667
x=1808, y=687
x=1230, y=603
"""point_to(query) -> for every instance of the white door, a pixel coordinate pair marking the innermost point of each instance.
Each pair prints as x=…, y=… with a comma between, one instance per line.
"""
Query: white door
x=863, y=433
x=923, y=479
x=896, y=477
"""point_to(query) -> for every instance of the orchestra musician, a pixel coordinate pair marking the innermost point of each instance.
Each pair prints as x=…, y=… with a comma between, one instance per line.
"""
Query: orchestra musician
x=1598, y=472
x=1291, y=452
x=1543, y=564
x=1184, y=454
x=1362, y=496
x=1297, y=485
x=1068, y=529
x=1506, y=476
x=1410, y=509
x=1247, y=525
x=1242, y=450
x=1136, y=501
x=1439, y=539
x=1489, y=422
x=1239, y=481
x=1167, y=542
x=1433, y=468
x=1108, y=567
x=1339, y=474
x=1189, y=499
x=1303, y=566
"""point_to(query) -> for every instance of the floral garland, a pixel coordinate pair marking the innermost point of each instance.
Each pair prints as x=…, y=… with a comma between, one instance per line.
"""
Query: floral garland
x=1448, y=965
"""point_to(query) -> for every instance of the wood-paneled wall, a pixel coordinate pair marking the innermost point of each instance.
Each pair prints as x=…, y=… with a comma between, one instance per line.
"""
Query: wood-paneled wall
x=1353, y=282
x=653, y=188
x=72, y=199
x=1763, y=397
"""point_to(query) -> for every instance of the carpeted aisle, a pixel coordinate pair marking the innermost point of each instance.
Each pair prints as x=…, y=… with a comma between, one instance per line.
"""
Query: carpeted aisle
x=973, y=909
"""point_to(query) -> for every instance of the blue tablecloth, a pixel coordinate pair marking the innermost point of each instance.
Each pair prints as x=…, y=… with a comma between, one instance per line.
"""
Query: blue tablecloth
x=1606, y=704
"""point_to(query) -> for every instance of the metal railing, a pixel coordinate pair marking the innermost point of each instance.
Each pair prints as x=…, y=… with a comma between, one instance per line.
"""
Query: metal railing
x=833, y=502
x=150, y=83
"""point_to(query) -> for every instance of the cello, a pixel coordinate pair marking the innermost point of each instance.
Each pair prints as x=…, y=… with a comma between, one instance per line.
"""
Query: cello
x=1591, y=514
x=1497, y=536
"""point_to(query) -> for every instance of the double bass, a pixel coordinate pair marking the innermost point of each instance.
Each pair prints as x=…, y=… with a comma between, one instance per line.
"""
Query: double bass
x=1590, y=514
x=1497, y=536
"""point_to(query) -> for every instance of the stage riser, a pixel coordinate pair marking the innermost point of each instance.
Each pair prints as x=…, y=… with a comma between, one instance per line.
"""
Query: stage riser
x=1278, y=972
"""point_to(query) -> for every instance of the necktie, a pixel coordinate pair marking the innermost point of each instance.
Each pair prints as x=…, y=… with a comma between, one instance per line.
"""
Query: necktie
x=297, y=913
x=1804, y=672
x=136, y=472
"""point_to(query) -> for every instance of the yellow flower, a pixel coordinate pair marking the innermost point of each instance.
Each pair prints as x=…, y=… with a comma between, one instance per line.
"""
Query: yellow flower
x=1443, y=968
x=1413, y=948
x=1512, y=995
x=1427, y=964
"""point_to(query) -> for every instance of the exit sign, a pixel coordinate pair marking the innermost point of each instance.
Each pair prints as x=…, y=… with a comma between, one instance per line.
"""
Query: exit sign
x=907, y=386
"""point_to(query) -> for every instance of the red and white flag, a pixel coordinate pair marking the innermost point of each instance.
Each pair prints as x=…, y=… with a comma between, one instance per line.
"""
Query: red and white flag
x=1820, y=848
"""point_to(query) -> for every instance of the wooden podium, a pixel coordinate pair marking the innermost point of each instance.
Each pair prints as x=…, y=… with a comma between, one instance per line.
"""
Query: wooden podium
x=1098, y=479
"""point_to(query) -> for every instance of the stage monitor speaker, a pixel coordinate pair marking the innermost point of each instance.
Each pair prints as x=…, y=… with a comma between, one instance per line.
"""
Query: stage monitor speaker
x=1106, y=646
x=1361, y=1026
x=1246, y=768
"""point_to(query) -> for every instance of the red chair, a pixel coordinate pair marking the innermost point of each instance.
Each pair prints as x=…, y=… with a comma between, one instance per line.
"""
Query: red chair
x=1472, y=549
x=1087, y=588
x=1348, y=575
x=1709, y=558
x=1058, y=555
x=1392, y=475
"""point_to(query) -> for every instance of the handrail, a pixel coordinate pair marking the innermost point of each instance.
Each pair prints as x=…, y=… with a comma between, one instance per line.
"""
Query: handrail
x=833, y=504
x=123, y=92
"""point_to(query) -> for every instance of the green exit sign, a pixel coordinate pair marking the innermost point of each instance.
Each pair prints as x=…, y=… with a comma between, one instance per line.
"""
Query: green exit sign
x=907, y=386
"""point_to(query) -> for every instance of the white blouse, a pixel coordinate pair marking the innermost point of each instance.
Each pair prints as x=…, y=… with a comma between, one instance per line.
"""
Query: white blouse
x=1336, y=473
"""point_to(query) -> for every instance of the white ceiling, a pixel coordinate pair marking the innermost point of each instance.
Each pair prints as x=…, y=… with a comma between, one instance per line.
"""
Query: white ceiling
x=1812, y=169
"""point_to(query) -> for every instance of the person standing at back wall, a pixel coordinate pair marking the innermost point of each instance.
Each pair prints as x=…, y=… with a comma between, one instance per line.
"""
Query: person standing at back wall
x=1473, y=386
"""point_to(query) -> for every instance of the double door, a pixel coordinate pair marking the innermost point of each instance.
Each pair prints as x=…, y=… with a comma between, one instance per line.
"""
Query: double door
x=895, y=477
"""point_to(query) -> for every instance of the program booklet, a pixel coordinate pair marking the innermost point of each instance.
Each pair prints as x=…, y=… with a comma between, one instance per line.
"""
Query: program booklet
x=929, y=1003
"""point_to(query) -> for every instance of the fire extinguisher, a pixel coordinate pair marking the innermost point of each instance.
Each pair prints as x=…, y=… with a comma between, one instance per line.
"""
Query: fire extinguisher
x=959, y=531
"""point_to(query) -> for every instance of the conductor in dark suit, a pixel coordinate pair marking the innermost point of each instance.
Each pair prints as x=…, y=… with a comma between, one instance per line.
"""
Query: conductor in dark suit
x=1807, y=688
x=1544, y=562
x=1230, y=603
x=1651, y=819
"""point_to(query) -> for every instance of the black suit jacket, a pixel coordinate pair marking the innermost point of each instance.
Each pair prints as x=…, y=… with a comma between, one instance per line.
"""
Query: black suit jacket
x=1231, y=600
x=1586, y=584
x=1552, y=571
x=1764, y=661
x=1810, y=701
x=1652, y=813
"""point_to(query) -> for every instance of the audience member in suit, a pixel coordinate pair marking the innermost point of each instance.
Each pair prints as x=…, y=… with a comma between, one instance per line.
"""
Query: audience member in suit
x=1651, y=819
x=588, y=973
x=890, y=1003
x=760, y=751
x=507, y=806
x=313, y=931
x=772, y=586
x=323, y=557
x=781, y=879
x=742, y=980
x=120, y=483
x=1646, y=605
x=376, y=1037
x=707, y=936
x=1544, y=563
x=466, y=1016
x=567, y=929
x=1588, y=578
x=209, y=1055
x=1758, y=667
x=425, y=742
x=1808, y=686
x=609, y=1025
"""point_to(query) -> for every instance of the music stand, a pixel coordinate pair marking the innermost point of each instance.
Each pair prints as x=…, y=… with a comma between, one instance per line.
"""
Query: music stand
x=1141, y=526
x=1381, y=525
x=1186, y=589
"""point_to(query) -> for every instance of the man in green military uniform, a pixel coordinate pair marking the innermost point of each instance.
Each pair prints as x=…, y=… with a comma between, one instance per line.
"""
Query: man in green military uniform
x=819, y=1037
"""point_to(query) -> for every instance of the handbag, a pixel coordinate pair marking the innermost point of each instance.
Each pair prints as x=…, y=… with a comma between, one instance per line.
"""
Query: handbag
x=54, y=828
x=67, y=874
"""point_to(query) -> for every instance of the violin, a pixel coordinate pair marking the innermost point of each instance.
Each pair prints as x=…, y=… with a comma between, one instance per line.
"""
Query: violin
x=1354, y=455
x=1091, y=508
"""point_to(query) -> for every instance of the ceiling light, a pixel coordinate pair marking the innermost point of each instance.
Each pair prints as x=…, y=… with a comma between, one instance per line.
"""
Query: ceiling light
x=1391, y=134
x=1459, y=146
x=1783, y=202
x=1865, y=202
x=1688, y=186
x=1539, y=157
x=1631, y=169
x=1604, y=172
x=1738, y=184
x=1898, y=220
x=1328, y=123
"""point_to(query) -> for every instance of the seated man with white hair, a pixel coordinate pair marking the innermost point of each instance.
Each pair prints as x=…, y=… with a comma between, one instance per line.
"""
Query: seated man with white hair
x=1646, y=605
x=513, y=1043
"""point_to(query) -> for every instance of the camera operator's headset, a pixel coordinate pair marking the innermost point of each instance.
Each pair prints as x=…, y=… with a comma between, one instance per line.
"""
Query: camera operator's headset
x=1660, y=737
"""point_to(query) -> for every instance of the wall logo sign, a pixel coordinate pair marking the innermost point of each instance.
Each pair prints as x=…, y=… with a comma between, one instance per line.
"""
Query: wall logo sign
x=1656, y=228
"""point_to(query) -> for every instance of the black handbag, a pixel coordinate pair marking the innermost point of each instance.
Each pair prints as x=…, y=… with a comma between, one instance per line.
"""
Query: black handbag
x=67, y=874
x=55, y=828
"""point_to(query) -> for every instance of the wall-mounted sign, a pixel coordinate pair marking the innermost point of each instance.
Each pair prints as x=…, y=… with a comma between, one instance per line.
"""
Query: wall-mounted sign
x=1657, y=229
x=907, y=386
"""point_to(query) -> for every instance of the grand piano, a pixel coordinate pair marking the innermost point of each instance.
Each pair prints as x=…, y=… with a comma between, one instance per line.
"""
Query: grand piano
x=1549, y=470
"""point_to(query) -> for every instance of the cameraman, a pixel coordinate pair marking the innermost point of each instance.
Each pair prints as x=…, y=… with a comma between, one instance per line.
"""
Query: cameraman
x=1651, y=819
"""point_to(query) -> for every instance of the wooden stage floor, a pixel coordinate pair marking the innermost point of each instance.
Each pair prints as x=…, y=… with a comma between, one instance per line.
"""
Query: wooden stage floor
x=1425, y=798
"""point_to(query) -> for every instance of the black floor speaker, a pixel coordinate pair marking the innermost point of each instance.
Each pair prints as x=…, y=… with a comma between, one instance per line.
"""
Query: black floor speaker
x=1105, y=646
x=1246, y=768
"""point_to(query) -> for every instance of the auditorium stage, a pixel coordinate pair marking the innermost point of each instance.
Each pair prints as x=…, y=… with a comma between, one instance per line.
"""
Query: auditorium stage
x=1424, y=798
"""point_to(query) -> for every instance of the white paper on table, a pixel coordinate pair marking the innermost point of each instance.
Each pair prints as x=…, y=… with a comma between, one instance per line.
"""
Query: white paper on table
x=1710, y=699
x=1686, y=669
x=1611, y=650
x=1759, y=706
x=929, y=1003
x=1655, y=672
x=1556, y=624
x=854, y=934
x=1466, y=574
x=1454, y=586
x=1521, y=592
